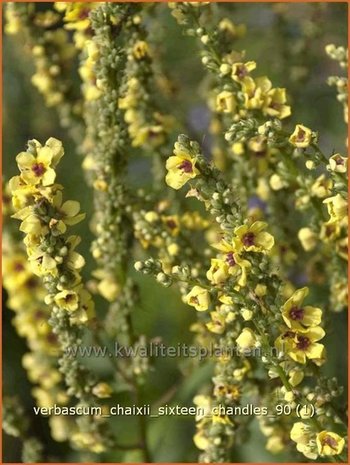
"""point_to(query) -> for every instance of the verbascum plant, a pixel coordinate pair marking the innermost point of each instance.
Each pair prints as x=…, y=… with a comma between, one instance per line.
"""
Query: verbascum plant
x=45, y=220
x=185, y=166
x=255, y=314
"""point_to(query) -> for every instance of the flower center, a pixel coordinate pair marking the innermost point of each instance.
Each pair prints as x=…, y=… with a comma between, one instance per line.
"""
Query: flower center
x=69, y=298
x=18, y=267
x=241, y=72
x=296, y=313
x=276, y=106
x=230, y=259
x=303, y=342
x=84, y=13
x=300, y=135
x=248, y=239
x=38, y=169
x=331, y=442
x=39, y=315
x=31, y=283
x=186, y=166
x=171, y=224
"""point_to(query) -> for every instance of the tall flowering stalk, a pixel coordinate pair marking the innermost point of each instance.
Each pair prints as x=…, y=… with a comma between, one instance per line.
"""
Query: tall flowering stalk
x=45, y=219
x=258, y=312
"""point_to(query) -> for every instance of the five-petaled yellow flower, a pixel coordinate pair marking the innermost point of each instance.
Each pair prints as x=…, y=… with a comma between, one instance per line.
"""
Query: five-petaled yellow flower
x=242, y=70
x=199, y=298
x=298, y=316
x=329, y=443
x=246, y=340
x=301, y=136
x=303, y=436
x=337, y=208
x=252, y=238
x=226, y=102
x=39, y=168
x=235, y=265
x=181, y=168
x=67, y=299
x=302, y=345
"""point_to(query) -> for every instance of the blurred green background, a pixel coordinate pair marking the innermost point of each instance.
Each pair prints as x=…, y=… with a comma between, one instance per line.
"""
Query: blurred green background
x=274, y=37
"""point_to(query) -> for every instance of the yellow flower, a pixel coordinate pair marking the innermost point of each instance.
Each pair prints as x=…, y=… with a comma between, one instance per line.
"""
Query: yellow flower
x=44, y=398
x=253, y=238
x=31, y=223
x=308, y=238
x=74, y=260
x=67, y=213
x=108, y=287
x=275, y=444
x=301, y=136
x=217, y=323
x=198, y=298
x=226, y=102
x=86, y=310
x=153, y=135
x=302, y=435
x=60, y=428
x=342, y=248
x=172, y=223
x=231, y=29
x=13, y=24
x=322, y=187
x=67, y=299
x=330, y=231
x=255, y=92
x=181, y=168
x=275, y=104
x=89, y=440
x=42, y=263
x=305, y=345
x=200, y=440
x=337, y=208
x=218, y=271
x=241, y=70
x=247, y=314
x=102, y=390
x=260, y=290
x=297, y=316
x=295, y=376
x=329, y=443
x=277, y=183
x=194, y=221
x=140, y=49
x=238, y=148
x=338, y=164
x=15, y=270
x=237, y=266
x=246, y=340
x=38, y=169
x=77, y=15
x=40, y=371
